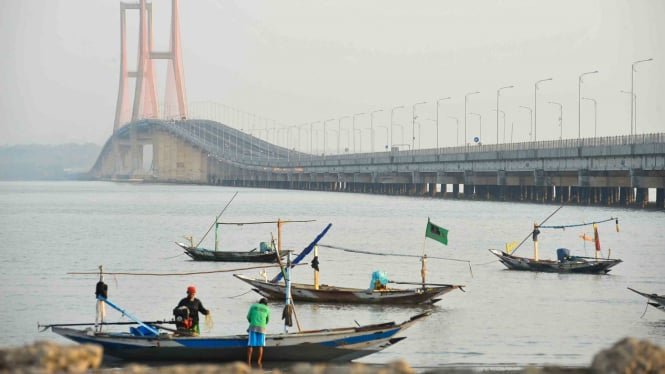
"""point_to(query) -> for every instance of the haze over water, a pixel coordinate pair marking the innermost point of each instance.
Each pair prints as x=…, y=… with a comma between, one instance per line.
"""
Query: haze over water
x=505, y=318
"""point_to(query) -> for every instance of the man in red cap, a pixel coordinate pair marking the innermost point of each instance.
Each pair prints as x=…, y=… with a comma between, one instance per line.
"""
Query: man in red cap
x=195, y=307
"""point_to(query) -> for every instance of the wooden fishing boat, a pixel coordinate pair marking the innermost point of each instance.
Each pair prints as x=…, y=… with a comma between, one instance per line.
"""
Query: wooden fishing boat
x=565, y=263
x=275, y=289
x=325, y=345
x=266, y=251
x=656, y=301
x=571, y=264
x=333, y=294
x=203, y=254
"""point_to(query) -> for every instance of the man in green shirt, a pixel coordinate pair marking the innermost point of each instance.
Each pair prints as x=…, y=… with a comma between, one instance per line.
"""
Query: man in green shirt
x=258, y=317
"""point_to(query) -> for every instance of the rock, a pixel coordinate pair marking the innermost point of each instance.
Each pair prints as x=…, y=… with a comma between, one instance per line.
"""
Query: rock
x=630, y=356
x=48, y=357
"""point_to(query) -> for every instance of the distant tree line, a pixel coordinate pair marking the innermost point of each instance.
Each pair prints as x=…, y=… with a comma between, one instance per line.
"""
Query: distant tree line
x=47, y=162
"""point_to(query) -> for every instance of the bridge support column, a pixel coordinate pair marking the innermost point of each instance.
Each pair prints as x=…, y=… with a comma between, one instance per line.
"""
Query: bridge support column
x=432, y=189
x=625, y=196
x=456, y=191
x=444, y=190
x=660, y=198
x=642, y=197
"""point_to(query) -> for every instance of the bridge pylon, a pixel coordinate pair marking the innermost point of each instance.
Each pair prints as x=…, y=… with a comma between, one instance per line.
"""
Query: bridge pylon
x=145, y=103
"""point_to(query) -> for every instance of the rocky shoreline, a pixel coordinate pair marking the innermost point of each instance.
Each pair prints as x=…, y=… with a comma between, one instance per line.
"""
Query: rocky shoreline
x=629, y=355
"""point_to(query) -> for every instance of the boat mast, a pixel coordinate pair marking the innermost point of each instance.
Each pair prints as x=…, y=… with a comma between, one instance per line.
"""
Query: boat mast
x=316, y=270
x=535, y=241
x=216, y=235
x=279, y=234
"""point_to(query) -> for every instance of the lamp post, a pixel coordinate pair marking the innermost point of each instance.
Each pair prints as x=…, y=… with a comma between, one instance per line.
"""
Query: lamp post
x=530, y=119
x=633, y=123
x=311, y=138
x=387, y=136
x=466, y=99
x=579, y=102
x=360, y=138
x=324, y=134
x=401, y=132
x=480, y=126
x=457, y=137
x=560, y=117
x=498, y=93
x=413, y=123
x=371, y=129
x=339, y=131
x=535, y=108
x=504, y=125
x=634, y=99
x=595, y=115
x=354, y=130
x=392, y=113
x=437, y=120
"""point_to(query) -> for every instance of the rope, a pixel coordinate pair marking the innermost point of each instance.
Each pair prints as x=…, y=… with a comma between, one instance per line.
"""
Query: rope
x=178, y=255
x=394, y=254
x=387, y=254
x=176, y=274
x=486, y=263
x=242, y=294
x=576, y=225
x=645, y=309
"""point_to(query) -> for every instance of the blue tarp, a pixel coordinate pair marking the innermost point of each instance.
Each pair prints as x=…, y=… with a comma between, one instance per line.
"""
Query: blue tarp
x=378, y=276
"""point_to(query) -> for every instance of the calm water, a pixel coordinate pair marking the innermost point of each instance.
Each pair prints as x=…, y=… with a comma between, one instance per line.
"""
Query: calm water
x=504, y=318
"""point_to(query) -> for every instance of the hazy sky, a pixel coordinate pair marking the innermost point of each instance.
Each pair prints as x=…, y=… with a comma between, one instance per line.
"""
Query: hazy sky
x=303, y=61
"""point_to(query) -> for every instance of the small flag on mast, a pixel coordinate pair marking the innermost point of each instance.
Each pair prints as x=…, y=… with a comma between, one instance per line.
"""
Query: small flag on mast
x=437, y=233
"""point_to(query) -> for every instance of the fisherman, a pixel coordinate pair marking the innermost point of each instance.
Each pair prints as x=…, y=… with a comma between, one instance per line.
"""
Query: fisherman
x=258, y=317
x=195, y=307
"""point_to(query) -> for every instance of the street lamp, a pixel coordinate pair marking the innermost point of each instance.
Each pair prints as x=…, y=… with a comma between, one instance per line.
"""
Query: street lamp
x=498, y=93
x=354, y=130
x=579, y=102
x=633, y=124
x=371, y=129
x=339, y=131
x=360, y=138
x=480, y=126
x=535, y=108
x=466, y=99
x=387, y=137
x=324, y=134
x=413, y=123
x=634, y=99
x=560, y=117
x=437, y=120
x=595, y=115
x=504, y=125
x=392, y=113
x=457, y=137
x=530, y=119
x=311, y=137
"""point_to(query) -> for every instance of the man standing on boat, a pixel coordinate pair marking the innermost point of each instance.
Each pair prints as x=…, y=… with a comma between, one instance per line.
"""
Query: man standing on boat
x=258, y=317
x=195, y=307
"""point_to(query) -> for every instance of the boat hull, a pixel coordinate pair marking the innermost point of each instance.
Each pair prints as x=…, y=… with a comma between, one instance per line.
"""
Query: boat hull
x=330, y=294
x=202, y=254
x=583, y=265
x=331, y=345
x=656, y=301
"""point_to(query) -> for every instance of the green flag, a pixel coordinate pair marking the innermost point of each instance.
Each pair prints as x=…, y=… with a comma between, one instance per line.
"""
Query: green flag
x=436, y=232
